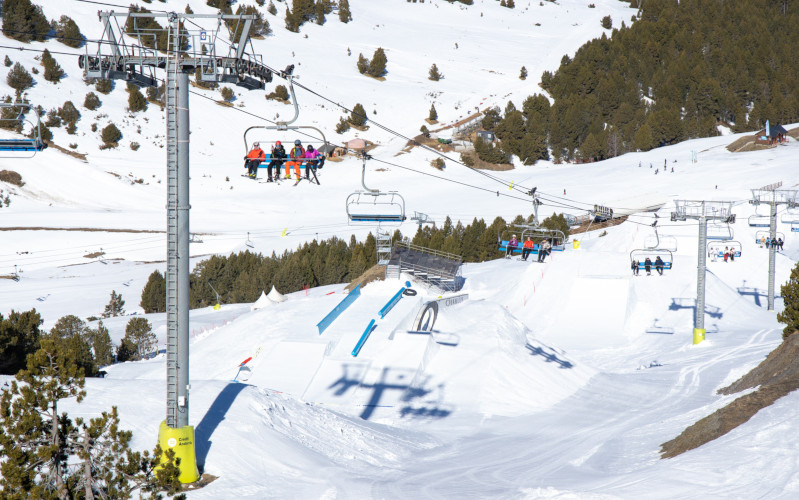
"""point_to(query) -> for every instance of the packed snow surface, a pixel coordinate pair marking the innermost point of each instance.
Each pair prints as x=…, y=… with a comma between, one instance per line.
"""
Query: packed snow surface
x=553, y=380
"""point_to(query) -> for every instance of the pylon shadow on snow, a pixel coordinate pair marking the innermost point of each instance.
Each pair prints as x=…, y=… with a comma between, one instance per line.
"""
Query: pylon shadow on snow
x=549, y=357
x=678, y=303
x=390, y=380
x=211, y=420
x=756, y=293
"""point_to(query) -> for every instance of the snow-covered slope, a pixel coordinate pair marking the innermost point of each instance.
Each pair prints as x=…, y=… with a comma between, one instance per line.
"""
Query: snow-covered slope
x=557, y=380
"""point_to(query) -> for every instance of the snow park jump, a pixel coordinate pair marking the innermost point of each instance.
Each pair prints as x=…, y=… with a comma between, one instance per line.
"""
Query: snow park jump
x=340, y=308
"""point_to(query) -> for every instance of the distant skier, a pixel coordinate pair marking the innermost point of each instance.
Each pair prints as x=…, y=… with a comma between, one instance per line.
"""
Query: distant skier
x=648, y=266
x=780, y=243
x=634, y=267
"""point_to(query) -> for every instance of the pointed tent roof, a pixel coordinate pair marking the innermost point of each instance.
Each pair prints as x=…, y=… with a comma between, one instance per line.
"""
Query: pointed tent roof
x=276, y=296
x=262, y=302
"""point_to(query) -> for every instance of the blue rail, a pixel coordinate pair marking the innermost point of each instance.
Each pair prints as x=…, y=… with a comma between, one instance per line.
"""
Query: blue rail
x=371, y=326
x=344, y=304
x=391, y=303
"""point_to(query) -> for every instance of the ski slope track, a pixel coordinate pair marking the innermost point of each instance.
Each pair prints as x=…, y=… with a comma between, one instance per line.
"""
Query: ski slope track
x=553, y=380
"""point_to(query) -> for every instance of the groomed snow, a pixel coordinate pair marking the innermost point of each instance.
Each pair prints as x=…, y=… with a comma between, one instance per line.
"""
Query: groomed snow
x=558, y=380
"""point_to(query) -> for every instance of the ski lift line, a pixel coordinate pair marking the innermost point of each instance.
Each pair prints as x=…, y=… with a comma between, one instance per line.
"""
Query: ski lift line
x=516, y=187
x=72, y=251
x=452, y=180
x=393, y=132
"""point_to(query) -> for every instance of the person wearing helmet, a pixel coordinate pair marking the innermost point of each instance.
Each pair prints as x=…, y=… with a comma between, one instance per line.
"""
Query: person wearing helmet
x=311, y=160
x=297, y=155
x=278, y=156
x=253, y=159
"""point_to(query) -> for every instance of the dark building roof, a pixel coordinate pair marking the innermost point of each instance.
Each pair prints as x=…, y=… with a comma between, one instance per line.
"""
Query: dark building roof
x=774, y=130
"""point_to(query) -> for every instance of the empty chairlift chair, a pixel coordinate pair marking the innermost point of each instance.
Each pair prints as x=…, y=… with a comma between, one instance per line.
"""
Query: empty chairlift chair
x=12, y=116
x=375, y=206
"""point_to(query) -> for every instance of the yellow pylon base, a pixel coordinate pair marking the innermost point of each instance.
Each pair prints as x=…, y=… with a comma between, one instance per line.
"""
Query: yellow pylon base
x=699, y=335
x=182, y=441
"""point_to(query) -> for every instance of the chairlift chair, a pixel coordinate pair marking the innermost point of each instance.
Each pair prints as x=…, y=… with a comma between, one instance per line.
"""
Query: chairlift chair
x=25, y=147
x=249, y=243
x=719, y=231
x=640, y=255
x=556, y=236
x=284, y=126
x=717, y=248
x=661, y=242
x=373, y=205
x=759, y=221
x=789, y=218
x=766, y=234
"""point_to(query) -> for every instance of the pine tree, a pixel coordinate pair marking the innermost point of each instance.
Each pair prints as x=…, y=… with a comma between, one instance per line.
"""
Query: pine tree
x=344, y=14
x=790, y=293
x=362, y=64
x=523, y=74
x=115, y=306
x=433, y=116
x=67, y=32
x=24, y=21
x=19, y=79
x=91, y=102
x=34, y=434
x=136, y=100
x=153, y=297
x=425, y=131
x=358, y=115
x=103, y=86
x=19, y=336
x=227, y=94
x=52, y=70
x=139, y=340
x=319, y=12
x=72, y=337
x=377, y=66
x=69, y=113
x=342, y=126
x=110, y=135
x=434, y=74
x=101, y=345
x=7, y=62
x=272, y=9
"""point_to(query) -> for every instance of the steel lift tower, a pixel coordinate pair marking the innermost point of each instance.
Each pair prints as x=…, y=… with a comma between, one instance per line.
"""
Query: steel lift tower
x=702, y=211
x=132, y=50
x=773, y=196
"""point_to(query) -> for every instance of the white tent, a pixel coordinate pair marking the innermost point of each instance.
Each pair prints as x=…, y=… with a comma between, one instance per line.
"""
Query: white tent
x=262, y=302
x=276, y=296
